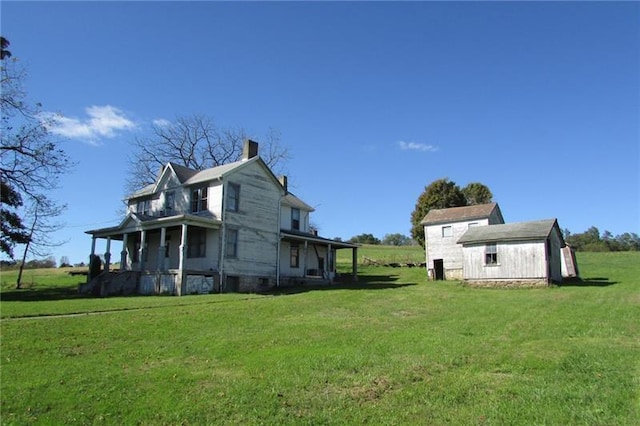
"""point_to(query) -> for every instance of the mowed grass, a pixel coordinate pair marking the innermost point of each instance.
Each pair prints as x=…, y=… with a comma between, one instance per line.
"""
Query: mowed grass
x=392, y=349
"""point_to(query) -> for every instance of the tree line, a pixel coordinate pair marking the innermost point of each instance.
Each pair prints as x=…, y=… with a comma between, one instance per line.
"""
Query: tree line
x=593, y=240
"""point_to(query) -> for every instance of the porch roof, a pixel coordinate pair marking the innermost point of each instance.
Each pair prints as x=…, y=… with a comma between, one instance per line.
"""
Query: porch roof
x=134, y=222
x=303, y=236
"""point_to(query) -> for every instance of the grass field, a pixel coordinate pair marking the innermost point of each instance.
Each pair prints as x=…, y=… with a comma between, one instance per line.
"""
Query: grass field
x=392, y=349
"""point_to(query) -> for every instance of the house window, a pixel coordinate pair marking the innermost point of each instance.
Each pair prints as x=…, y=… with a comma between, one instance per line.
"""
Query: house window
x=196, y=242
x=144, y=206
x=232, y=243
x=491, y=254
x=233, y=197
x=199, y=199
x=447, y=231
x=169, y=203
x=167, y=242
x=295, y=219
x=295, y=256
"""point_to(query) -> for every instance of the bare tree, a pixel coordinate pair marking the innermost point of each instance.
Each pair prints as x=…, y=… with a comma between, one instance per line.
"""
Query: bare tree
x=196, y=142
x=31, y=162
x=39, y=216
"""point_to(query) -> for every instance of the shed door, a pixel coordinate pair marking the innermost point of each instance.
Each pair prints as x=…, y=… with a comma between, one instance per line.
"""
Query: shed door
x=438, y=266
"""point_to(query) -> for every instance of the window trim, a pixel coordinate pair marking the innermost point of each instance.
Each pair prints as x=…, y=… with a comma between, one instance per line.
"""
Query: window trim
x=199, y=199
x=233, y=202
x=294, y=256
x=295, y=223
x=448, y=234
x=491, y=255
x=231, y=246
x=196, y=249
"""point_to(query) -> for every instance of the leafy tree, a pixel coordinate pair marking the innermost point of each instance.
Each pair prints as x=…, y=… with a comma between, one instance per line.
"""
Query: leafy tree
x=477, y=193
x=31, y=162
x=13, y=230
x=196, y=142
x=364, y=239
x=396, y=240
x=440, y=194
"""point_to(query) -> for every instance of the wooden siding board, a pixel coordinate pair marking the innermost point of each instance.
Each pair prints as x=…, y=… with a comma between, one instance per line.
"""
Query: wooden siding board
x=447, y=248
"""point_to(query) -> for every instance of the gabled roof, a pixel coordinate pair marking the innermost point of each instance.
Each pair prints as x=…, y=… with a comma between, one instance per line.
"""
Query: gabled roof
x=521, y=231
x=188, y=176
x=460, y=214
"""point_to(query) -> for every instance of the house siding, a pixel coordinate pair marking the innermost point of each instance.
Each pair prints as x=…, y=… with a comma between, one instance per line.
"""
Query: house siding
x=446, y=248
x=257, y=224
x=515, y=261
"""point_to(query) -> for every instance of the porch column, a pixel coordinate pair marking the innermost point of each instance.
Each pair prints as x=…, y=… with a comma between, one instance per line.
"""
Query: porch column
x=124, y=254
x=183, y=253
x=93, y=253
x=162, y=250
x=304, y=258
x=354, y=263
x=329, y=267
x=142, y=251
x=107, y=255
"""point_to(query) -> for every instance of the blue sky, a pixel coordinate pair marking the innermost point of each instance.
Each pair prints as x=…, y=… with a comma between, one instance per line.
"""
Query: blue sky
x=374, y=100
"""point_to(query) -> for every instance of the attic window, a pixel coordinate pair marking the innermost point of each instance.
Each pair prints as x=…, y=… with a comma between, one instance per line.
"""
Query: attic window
x=447, y=231
x=491, y=254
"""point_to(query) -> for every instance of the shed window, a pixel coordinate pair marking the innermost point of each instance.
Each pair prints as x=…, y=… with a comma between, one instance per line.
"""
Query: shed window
x=491, y=254
x=447, y=231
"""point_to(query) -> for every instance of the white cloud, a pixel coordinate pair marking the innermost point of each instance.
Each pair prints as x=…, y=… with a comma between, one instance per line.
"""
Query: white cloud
x=161, y=122
x=102, y=122
x=413, y=146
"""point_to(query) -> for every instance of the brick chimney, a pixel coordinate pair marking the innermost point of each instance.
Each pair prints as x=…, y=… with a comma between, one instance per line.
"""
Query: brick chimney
x=250, y=149
x=284, y=182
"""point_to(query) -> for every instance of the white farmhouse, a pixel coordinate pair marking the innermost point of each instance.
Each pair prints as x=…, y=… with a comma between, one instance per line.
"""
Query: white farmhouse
x=234, y=227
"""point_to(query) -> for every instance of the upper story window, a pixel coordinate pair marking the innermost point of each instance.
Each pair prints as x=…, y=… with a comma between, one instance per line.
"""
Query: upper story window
x=233, y=197
x=199, y=199
x=491, y=254
x=295, y=219
x=169, y=203
x=447, y=231
x=144, y=207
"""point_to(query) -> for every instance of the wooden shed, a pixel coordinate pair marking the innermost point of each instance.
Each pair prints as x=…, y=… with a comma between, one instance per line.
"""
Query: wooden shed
x=525, y=254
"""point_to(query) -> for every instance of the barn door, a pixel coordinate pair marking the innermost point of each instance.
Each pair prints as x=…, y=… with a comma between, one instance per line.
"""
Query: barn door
x=438, y=266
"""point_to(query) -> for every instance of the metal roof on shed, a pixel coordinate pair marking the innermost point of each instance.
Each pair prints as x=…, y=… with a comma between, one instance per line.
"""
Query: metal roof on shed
x=521, y=231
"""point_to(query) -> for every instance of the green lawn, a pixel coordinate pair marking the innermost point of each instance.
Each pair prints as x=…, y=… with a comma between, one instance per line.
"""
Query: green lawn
x=393, y=349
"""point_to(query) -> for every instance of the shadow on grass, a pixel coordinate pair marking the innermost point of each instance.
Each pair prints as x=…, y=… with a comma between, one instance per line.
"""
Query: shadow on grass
x=368, y=282
x=40, y=294
x=587, y=282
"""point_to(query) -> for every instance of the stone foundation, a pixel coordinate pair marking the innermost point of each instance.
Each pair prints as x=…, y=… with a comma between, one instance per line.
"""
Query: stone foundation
x=511, y=283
